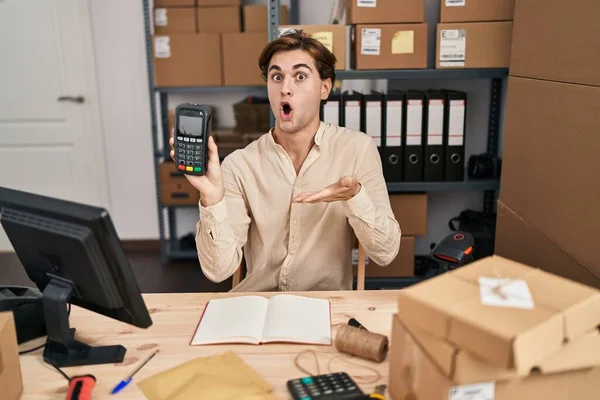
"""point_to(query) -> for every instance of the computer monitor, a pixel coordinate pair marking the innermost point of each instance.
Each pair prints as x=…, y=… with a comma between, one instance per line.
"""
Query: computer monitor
x=72, y=253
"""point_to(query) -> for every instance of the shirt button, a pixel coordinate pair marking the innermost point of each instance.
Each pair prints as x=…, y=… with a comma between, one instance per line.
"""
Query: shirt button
x=295, y=222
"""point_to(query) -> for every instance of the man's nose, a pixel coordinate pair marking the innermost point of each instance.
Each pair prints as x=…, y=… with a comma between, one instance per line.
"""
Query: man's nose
x=286, y=87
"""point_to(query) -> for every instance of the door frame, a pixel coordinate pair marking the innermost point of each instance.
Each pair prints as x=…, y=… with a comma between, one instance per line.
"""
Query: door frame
x=94, y=119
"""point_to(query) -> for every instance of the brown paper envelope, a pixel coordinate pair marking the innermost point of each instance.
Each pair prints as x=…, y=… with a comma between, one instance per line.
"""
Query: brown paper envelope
x=164, y=384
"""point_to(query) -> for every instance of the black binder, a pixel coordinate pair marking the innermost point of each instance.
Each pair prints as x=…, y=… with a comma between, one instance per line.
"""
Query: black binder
x=455, y=135
x=331, y=109
x=352, y=110
x=413, y=136
x=433, y=127
x=372, y=118
x=392, y=156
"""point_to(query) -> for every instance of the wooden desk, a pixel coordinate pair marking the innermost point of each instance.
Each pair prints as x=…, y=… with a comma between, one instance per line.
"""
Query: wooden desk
x=175, y=317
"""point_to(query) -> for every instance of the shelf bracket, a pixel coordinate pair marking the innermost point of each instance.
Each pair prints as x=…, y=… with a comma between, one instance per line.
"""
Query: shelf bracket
x=489, y=196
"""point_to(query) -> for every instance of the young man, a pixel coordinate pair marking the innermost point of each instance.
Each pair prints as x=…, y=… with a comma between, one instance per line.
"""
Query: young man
x=290, y=200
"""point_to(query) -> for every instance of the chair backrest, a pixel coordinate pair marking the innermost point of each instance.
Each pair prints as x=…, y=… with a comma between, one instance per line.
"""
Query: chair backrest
x=360, y=275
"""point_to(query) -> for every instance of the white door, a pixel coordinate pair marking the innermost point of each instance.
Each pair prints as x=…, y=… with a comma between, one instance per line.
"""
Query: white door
x=50, y=135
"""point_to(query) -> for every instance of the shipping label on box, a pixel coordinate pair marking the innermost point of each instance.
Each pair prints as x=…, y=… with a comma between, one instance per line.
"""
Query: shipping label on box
x=453, y=47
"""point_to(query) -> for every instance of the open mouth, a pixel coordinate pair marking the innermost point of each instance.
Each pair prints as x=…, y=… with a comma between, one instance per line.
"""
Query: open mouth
x=286, y=109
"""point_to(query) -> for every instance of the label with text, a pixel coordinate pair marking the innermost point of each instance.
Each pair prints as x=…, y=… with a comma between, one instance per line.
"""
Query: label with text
x=456, y=3
x=453, y=47
x=160, y=17
x=505, y=292
x=162, y=47
x=366, y=3
x=371, y=41
x=476, y=391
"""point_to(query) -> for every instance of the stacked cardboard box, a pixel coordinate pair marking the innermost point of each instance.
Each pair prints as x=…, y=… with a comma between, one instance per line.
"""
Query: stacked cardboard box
x=410, y=211
x=332, y=36
x=388, y=34
x=11, y=380
x=202, y=42
x=547, y=212
x=496, y=329
x=474, y=34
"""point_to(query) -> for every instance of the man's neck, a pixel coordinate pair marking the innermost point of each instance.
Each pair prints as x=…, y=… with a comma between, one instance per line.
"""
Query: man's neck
x=298, y=144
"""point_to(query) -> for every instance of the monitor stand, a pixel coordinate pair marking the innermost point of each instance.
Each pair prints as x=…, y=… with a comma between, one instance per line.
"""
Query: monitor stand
x=61, y=349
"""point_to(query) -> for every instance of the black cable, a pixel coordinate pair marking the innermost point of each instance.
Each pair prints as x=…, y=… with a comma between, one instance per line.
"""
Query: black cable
x=43, y=344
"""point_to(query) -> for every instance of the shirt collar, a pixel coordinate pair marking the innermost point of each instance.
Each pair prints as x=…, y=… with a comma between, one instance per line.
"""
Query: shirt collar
x=318, y=137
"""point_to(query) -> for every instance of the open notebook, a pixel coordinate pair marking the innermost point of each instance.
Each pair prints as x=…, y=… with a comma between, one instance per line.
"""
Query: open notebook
x=257, y=320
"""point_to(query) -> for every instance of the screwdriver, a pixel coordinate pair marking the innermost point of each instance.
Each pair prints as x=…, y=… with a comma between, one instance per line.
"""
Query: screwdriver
x=80, y=386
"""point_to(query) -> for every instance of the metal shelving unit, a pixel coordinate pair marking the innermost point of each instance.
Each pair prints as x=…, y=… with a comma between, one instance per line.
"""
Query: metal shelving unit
x=170, y=249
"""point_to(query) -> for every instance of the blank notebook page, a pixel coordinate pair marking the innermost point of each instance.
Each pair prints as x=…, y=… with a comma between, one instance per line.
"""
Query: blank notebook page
x=237, y=317
x=299, y=319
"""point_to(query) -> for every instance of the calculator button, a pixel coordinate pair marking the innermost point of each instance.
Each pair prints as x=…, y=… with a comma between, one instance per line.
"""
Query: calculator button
x=189, y=164
x=189, y=146
x=198, y=153
x=328, y=391
x=179, y=137
x=181, y=167
x=189, y=169
x=197, y=169
x=307, y=380
x=192, y=140
x=186, y=139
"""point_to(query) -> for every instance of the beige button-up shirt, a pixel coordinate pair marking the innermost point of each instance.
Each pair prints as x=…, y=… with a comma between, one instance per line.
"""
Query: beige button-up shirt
x=293, y=246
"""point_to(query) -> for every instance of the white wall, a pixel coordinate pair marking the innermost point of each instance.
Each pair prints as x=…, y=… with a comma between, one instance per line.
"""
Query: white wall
x=120, y=57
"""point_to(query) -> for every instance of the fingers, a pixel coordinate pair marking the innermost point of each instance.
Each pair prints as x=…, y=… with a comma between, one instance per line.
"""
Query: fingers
x=213, y=151
x=328, y=192
x=302, y=196
x=348, y=181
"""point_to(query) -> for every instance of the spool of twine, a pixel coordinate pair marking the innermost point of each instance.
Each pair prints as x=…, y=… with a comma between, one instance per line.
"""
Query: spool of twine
x=361, y=343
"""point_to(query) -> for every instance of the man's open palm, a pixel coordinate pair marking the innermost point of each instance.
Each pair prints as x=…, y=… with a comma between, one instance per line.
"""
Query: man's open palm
x=344, y=189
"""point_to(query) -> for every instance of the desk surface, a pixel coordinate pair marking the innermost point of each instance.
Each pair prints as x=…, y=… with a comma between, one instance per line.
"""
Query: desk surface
x=175, y=317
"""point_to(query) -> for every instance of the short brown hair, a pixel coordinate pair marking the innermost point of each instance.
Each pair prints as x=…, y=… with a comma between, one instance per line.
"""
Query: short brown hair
x=296, y=39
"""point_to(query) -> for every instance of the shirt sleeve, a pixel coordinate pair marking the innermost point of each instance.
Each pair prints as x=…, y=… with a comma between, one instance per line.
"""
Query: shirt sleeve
x=369, y=212
x=222, y=230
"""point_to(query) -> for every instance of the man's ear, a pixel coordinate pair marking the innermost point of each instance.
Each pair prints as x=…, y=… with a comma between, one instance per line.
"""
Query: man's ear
x=325, y=88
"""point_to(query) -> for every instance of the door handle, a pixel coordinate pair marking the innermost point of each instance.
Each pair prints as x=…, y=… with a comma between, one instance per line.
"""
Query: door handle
x=74, y=99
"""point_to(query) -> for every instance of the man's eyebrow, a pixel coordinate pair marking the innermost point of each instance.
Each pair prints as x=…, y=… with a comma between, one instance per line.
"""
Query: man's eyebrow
x=275, y=67
x=302, y=65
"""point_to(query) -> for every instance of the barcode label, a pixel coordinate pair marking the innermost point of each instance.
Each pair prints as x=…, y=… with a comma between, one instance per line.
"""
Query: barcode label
x=160, y=17
x=475, y=391
x=453, y=45
x=162, y=47
x=456, y=3
x=366, y=3
x=371, y=41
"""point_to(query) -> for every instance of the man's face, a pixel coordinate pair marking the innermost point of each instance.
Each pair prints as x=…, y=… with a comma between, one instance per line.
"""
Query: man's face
x=295, y=89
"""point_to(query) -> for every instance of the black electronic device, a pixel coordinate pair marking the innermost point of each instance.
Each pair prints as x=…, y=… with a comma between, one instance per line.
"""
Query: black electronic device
x=334, y=386
x=28, y=311
x=484, y=166
x=72, y=253
x=455, y=250
x=192, y=129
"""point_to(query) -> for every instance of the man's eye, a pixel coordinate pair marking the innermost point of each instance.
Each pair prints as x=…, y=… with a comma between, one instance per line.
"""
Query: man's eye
x=301, y=76
x=276, y=77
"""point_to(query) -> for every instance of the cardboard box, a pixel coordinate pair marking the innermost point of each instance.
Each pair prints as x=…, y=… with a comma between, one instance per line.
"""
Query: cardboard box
x=505, y=313
x=255, y=17
x=521, y=241
x=11, y=380
x=175, y=189
x=168, y=21
x=218, y=3
x=187, y=60
x=175, y=3
x=557, y=41
x=332, y=36
x=473, y=45
x=571, y=373
x=476, y=11
x=551, y=163
x=218, y=19
x=240, y=58
x=410, y=211
x=392, y=46
x=384, y=11
x=402, y=266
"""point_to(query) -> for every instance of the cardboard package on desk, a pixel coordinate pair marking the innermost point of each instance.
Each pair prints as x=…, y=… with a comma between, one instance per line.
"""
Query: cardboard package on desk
x=11, y=381
x=507, y=314
x=418, y=371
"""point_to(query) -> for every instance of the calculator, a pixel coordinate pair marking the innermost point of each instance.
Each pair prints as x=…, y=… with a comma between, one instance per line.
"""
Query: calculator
x=335, y=386
x=192, y=128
